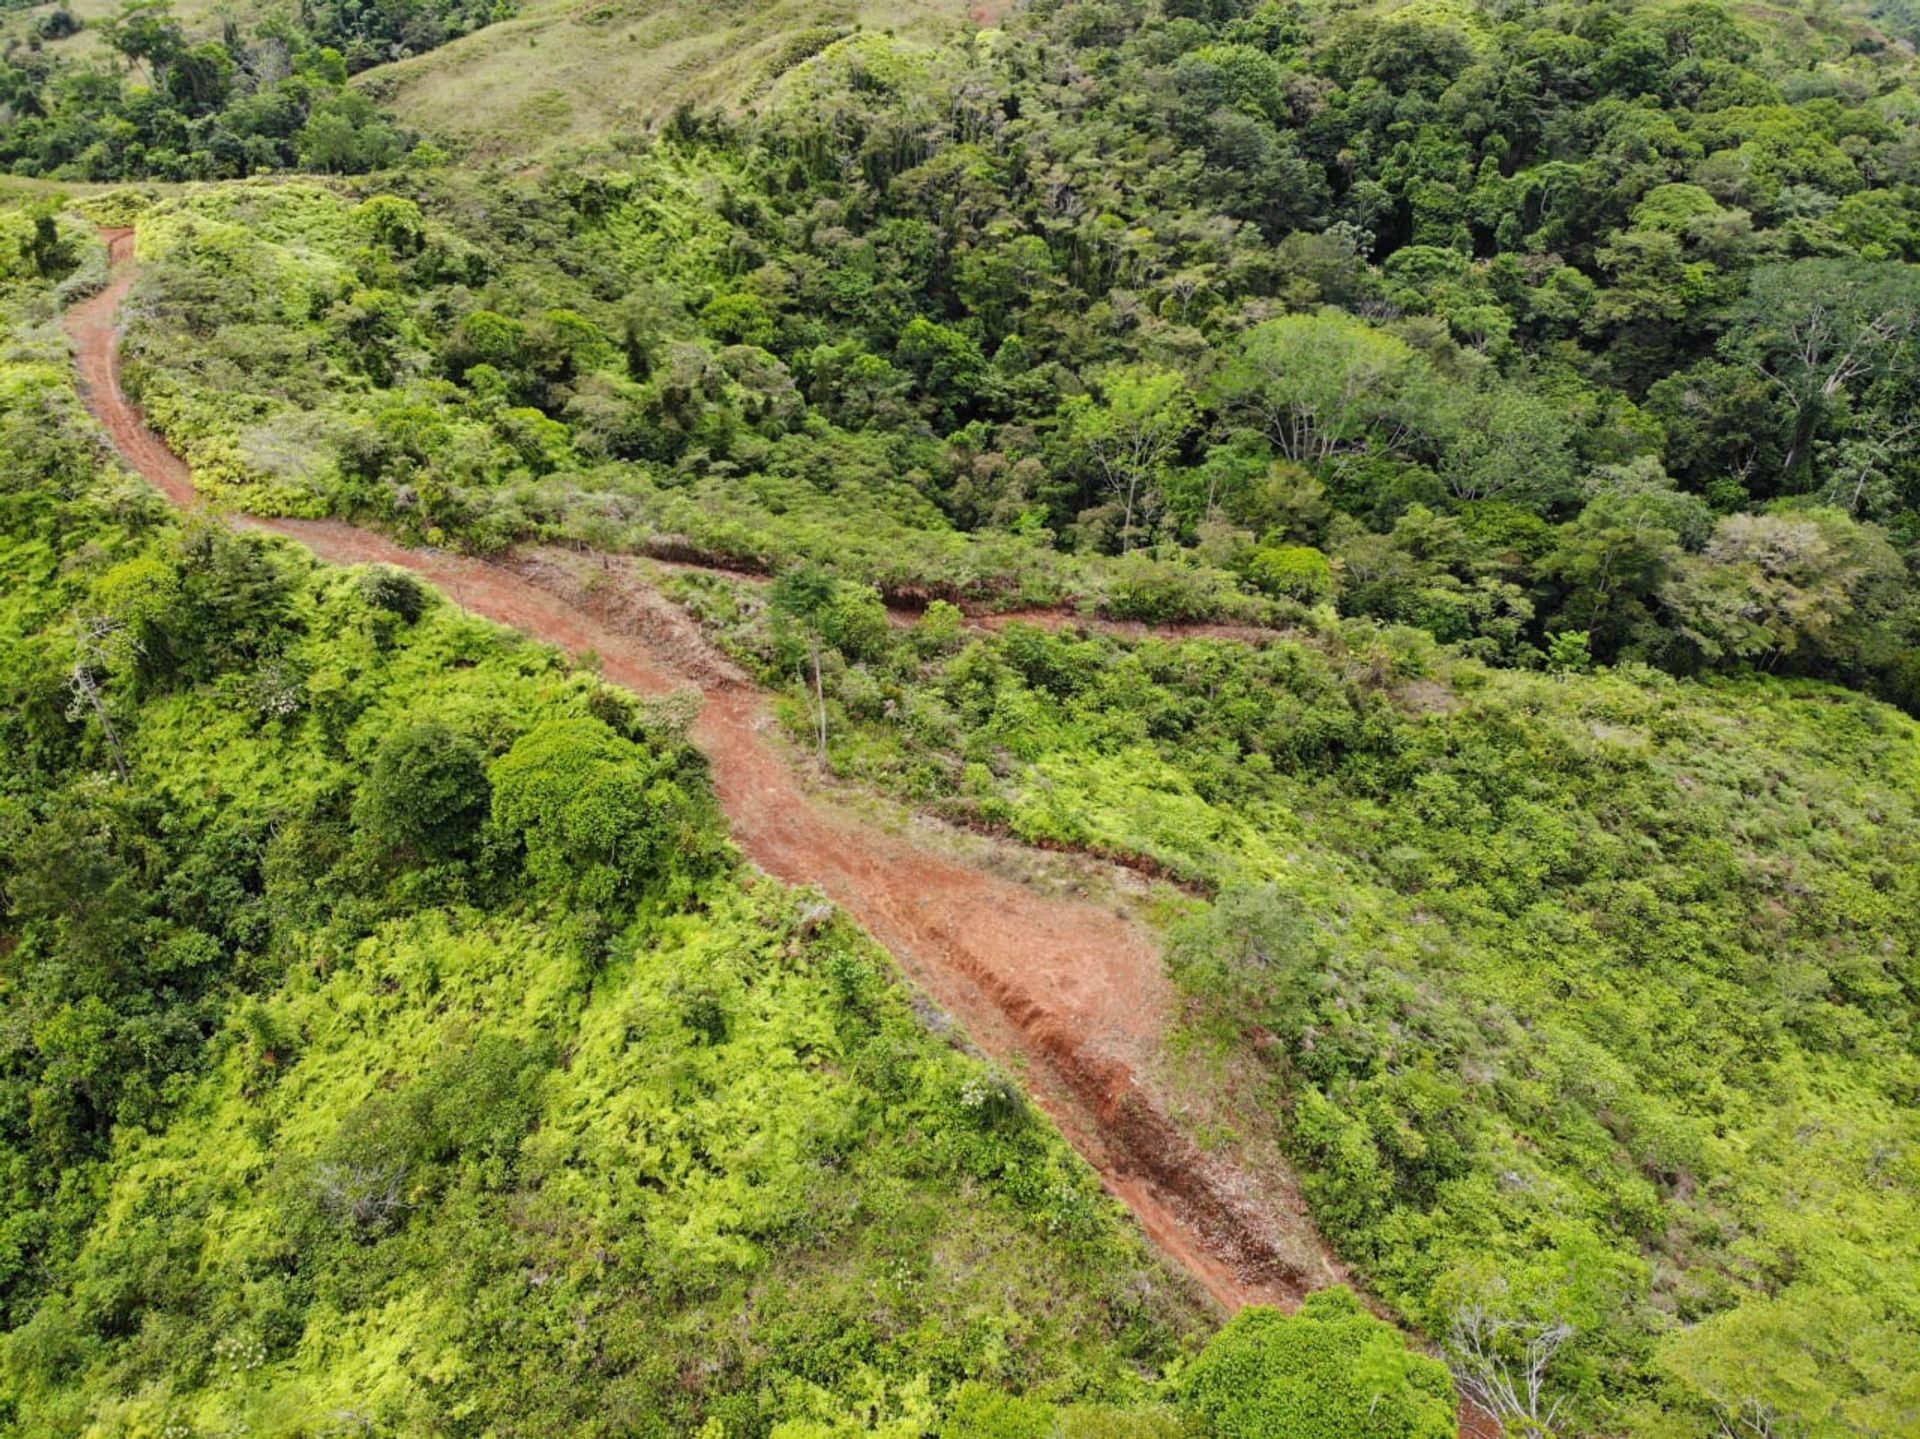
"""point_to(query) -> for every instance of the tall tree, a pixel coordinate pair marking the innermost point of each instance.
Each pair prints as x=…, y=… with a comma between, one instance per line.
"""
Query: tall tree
x=802, y=595
x=1824, y=333
x=1319, y=386
x=1128, y=435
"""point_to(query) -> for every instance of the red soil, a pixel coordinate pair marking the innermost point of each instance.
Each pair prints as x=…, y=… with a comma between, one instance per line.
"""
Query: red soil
x=1066, y=994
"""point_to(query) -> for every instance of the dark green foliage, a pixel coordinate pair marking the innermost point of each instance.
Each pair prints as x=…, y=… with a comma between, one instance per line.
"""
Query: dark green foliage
x=426, y=792
x=1354, y=283
x=175, y=107
x=396, y=592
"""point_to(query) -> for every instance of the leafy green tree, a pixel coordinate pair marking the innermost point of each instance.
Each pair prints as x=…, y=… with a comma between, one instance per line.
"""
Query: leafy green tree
x=1297, y=572
x=1128, y=434
x=946, y=364
x=229, y=605
x=145, y=31
x=1331, y=1371
x=1256, y=951
x=1570, y=652
x=804, y=595
x=1508, y=442
x=45, y=251
x=1798, y=585
x=201, y=78
x=1319, y=386
x=395, y=224
x=1826, y=333
x=345, y=135
x=1613, y=559
x=1808, y=1362
x=997, y=277
x=602, y=818
x=426, y=792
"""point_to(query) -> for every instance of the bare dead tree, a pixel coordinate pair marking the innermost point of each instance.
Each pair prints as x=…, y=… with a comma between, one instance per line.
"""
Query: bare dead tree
x=102, y=640
x=368, y=1196
x=1502, y=1365
x=1750, y=1419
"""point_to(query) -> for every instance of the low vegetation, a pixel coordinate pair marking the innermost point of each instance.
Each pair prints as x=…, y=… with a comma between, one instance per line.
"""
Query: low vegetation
x=1538, y=380
x=372, y=1073
x=1582, y=1001
x=562, y=74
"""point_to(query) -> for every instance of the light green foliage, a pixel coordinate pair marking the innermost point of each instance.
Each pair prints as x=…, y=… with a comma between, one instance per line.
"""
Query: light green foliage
x=1332, y=1371
x=601, y=817
x=1782, y=584
x=1808, y=1362
x=1298, y=572
x=1315, y=385
x=1570, y=652
x=1128, y=437
x=303, y=1124
x=1583, y=993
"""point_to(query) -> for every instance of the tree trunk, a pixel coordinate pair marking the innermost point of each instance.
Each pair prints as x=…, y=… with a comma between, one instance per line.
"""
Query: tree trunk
x=92, y=692
x=819, y=695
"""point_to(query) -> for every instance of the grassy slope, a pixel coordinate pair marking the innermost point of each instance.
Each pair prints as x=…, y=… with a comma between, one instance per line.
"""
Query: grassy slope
x=567, y=71
x=571, y=70
x=201, y=17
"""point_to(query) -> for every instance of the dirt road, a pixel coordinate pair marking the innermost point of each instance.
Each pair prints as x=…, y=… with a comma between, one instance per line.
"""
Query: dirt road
x=1068, y=995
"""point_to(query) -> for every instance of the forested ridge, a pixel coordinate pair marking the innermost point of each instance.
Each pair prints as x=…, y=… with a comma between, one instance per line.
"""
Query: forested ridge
x=1527, y=390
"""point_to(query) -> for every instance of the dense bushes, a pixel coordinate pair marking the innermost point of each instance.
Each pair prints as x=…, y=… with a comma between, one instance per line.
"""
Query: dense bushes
x=599, y=816
x=1332, y=1371
x=427, y=792
x=1538, y=969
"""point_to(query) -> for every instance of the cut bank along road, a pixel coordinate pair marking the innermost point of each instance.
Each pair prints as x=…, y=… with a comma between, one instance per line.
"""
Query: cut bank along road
x=1070, y=996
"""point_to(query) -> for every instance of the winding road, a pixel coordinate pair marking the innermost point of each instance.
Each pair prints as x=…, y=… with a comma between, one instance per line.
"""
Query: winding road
x=1068, y=995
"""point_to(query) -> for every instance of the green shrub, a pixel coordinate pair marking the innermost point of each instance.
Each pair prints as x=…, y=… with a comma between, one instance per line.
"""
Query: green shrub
x=1293, y=572
x=1331, y=1371
x=426, y=792
x=601, y=817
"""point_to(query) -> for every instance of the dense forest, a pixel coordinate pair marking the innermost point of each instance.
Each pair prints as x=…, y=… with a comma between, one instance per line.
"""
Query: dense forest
x=1173, y=317
x=165, y=104
x=1514, y=404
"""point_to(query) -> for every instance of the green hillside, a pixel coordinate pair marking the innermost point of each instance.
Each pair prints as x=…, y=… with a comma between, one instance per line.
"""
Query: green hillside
x=1424, y=495
x=343, y=1084
x=561, y=73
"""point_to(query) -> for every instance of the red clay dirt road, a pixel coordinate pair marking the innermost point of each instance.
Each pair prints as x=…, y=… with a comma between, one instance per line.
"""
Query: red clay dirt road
x=1066, y=994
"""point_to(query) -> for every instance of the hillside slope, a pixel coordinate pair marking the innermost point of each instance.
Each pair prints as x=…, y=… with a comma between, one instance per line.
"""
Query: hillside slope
x=561, y=72
x=1064, y=993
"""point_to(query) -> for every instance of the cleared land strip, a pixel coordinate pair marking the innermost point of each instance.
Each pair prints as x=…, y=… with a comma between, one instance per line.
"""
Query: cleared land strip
x=1068, y=995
